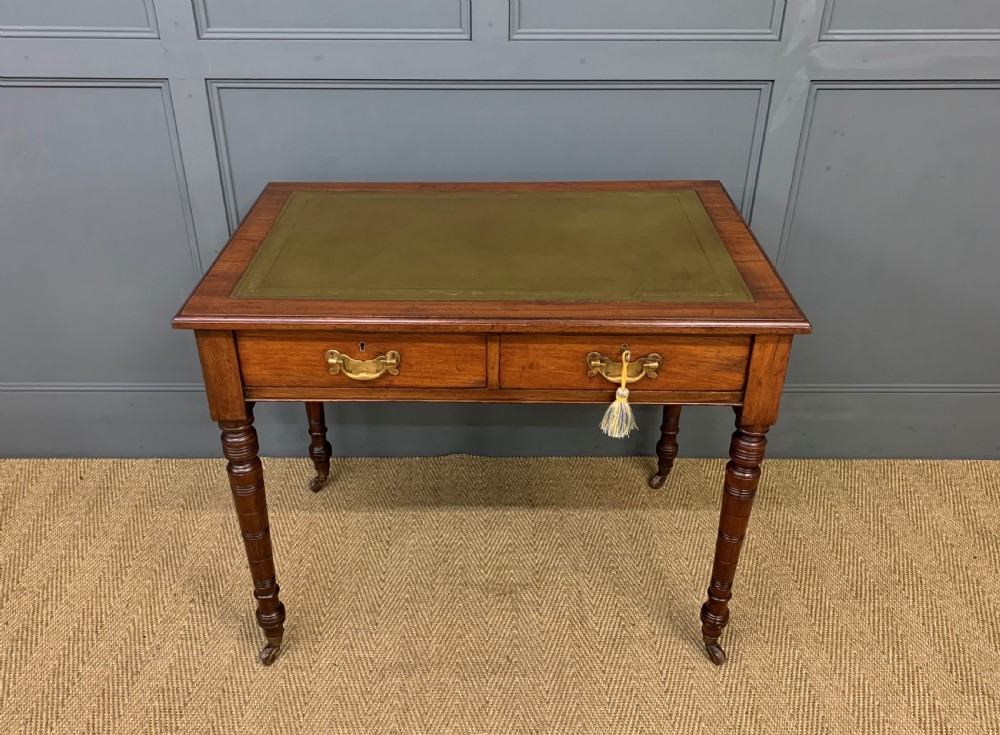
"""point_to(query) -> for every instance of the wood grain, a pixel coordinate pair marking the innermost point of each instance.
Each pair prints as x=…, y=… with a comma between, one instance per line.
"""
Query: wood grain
x=493, y=361
x=299, y=359
x=690, y=363
x=319, y=448
x=486, y=395
x=746, y=452
x=246, y=480
x=766, y=378
x=220, y=367
x=667, y=447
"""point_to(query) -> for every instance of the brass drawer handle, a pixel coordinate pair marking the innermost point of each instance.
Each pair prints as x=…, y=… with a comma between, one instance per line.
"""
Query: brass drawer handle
x=612, y=371
x=363, y=369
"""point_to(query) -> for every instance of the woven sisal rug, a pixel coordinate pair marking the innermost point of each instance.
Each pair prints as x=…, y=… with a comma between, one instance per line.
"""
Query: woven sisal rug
x=472, y=595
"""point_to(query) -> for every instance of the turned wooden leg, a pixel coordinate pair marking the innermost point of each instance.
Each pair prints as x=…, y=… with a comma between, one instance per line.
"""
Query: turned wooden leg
x=666, y=448
x=319, y=448
x=742, y=476
x=246, y=479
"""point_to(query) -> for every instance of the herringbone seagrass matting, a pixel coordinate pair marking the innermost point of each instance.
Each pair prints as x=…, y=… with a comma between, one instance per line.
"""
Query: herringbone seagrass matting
x=472, y=595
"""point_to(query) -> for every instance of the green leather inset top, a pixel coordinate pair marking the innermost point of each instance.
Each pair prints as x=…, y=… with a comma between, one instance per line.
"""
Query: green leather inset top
x=494, y=246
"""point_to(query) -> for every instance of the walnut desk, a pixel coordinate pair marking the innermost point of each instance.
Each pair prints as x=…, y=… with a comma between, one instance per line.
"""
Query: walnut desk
x=523, y=293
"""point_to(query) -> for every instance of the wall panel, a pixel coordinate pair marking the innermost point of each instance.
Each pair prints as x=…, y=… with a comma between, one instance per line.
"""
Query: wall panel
x=895, y=204
x=343, y=19
x=98, y=245
x=729, y=20
x=91, y=19
x=911, y=20
x=368, y=131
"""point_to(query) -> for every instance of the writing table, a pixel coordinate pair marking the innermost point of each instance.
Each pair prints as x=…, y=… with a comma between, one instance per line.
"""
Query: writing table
x=523, y=293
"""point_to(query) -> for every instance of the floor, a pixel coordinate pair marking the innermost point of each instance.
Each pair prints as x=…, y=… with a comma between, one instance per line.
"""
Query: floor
x=481, y=595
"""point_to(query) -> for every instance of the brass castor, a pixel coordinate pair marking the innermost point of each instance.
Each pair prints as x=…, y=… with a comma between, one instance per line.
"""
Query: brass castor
x=715, y=653
x=656, y=481
x=319, y=482
x=269, y=652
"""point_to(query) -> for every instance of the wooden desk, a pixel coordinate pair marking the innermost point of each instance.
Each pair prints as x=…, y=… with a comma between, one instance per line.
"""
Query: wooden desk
x=493, y=292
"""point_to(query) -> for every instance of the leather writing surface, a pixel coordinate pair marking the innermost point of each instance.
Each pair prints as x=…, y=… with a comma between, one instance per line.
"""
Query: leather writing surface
x=494, y=246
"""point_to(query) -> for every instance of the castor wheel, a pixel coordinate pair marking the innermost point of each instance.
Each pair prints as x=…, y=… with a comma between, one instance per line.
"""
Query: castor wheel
x=715, y=653
x=319, y=482
x=656, y=481
x=268, y=653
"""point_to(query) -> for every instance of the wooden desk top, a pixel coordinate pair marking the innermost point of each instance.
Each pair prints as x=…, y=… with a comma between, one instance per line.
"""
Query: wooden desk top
x=554, y=257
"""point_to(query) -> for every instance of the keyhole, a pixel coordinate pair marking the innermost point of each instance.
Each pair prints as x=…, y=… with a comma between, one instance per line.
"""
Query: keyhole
x=361, y=346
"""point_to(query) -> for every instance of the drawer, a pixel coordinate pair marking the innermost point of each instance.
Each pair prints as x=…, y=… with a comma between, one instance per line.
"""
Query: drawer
x=300, y=359
x=559, y=362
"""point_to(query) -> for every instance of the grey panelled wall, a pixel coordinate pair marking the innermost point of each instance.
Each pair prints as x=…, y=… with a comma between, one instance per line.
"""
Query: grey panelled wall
x=68, y=19
x=304, y=19
x=384, y=131
x=911, y=19
x=859, y=138
x=564, y=19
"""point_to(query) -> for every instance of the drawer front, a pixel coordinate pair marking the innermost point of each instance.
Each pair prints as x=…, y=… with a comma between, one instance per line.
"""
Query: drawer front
x=559, y=362
x=300, y=359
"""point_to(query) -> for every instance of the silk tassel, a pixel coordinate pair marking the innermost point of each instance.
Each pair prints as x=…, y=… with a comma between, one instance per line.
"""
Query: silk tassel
x=619, y=421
